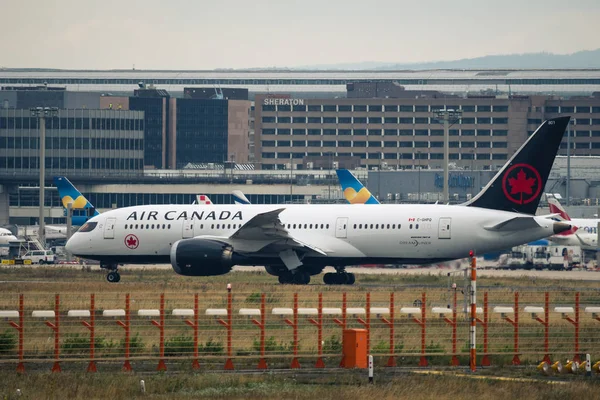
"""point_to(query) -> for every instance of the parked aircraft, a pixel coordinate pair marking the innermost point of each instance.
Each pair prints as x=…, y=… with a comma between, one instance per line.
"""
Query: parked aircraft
x=6, y=237
x=584, y=231
x=354, y=191
x=294, y=242
x=83, y=210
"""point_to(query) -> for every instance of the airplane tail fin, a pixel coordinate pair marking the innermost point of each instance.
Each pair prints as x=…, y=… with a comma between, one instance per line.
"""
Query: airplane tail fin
x=354, y=190
x=203, y=199
x=69, y=194
x=518, y=186
x=557, y=208
x=239, y=197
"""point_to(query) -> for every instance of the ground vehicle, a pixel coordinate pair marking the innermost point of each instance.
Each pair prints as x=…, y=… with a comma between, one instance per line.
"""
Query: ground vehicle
x=40, y=256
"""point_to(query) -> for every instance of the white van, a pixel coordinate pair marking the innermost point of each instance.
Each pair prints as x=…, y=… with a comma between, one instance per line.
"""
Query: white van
x=40, y=256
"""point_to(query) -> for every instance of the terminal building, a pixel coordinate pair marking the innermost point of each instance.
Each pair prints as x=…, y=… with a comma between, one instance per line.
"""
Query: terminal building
x=401, y=131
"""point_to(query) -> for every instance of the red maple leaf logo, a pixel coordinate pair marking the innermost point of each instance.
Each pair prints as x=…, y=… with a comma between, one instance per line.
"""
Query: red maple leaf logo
x=131, y=241
x=521, y=184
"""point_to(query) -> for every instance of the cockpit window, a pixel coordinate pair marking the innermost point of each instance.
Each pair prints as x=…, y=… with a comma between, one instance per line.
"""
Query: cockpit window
x=88, y=227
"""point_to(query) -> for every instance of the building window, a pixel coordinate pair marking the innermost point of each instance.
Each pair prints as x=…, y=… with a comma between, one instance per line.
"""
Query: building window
x=374, y=132
x=299, y=120
x=500, y=108
x=360, y=120
x=583, y=109
x=567, y=109
x=483, y=145
x=500, y=132
x=390, y=132
x=468, y=108
x=484, y=120
x=497, y=156
x=299, y=132
x=422, y=108
x=374, y=120
x=406, y=108
x=468, y=120
x=499, y=145
x=482, y=108
x=314, y=120
x=358, y=107
x=467, y=145
x=502, y=120
x=391, y=120
x=421, y=120
x=391, y=108
x=406, y=120
x=344, y=108
x=375, y=108
x=329, y=108
x=467, y=132
x=329, y=120
x=314, y=107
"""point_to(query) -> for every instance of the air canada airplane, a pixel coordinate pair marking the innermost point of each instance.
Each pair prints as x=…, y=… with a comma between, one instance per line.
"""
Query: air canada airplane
x=294, y=242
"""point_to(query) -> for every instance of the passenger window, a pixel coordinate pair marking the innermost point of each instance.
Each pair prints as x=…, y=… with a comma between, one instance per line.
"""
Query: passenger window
x=410, y=226
x=359, y=226
x=169, y=226
x=388, y=226
x=125, y=226
x=163, y=226
x=393, y=226
x=417, y=226
x=228, y=226
x=294, y=226
x=354, y=226
x=376, y=226
x=398, y=226
x=310, y=226
x=152, y=226
x=371, y=226
x=212, y=226
x=327, y=226
x=321, y=226
x=305, y=226
x=147, y=226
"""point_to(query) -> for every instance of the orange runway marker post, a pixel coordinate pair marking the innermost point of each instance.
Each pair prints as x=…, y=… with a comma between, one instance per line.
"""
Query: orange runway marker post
x=161, y=341
x=228, y=326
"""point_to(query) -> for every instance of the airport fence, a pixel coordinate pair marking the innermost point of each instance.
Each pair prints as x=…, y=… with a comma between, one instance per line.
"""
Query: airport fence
x=255, y=330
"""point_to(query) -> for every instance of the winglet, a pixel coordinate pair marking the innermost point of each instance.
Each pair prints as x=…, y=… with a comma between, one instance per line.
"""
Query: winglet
x=354, y=191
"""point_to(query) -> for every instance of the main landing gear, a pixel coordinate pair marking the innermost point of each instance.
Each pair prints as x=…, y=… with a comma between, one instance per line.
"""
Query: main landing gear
x=341, y=277
x=113, y=276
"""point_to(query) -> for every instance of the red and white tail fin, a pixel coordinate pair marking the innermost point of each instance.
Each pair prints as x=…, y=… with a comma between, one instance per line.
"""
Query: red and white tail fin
x=203, y=199
x=557, y=208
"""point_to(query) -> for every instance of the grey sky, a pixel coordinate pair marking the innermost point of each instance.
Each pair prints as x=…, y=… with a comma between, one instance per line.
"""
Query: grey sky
x=202, y=34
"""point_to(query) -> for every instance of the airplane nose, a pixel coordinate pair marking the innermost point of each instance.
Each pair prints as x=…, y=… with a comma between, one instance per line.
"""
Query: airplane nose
x=69, y=246
x=559, y=227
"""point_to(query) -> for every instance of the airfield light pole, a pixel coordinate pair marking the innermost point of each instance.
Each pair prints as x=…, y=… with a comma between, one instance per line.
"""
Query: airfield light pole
x=569, y=163
x=419, y=176
x=329, y=153
x=41, y=113
x=448, y=117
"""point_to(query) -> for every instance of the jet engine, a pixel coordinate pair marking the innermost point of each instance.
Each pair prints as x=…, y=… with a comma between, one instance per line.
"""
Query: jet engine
x=201, y=257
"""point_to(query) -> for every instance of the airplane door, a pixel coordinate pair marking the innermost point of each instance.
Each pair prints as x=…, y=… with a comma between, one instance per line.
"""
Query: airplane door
x=188, y=229
x=341, y=227
x=444, y=228
x=109, y=228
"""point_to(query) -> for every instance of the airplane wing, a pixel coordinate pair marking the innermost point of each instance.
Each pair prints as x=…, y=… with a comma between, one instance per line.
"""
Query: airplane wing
x=266, y=229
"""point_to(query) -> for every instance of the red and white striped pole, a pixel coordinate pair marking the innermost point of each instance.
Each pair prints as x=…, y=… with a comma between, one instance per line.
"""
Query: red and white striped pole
x=473, y=330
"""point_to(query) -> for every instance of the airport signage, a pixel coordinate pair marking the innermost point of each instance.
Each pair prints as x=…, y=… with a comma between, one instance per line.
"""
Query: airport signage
x=455, y=181
x=283, y=102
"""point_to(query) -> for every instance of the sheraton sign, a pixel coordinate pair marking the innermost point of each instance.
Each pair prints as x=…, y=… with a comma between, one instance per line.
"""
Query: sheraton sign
x=283, y=102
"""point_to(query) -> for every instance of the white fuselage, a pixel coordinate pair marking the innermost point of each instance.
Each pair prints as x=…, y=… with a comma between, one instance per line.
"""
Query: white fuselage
x=586, y=235
x=360, y=233
x=6, y=237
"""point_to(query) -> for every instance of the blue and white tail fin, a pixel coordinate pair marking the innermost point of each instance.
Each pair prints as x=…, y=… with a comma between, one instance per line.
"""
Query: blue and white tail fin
x=239, y=198
x=354, y=191
x=82, y=208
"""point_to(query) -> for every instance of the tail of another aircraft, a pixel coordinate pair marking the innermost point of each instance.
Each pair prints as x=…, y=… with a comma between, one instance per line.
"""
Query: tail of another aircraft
x=557, y=208
x=354, y=191
x=518, y=186
x=203, y=199
x=239, y=197
x=82, y=208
